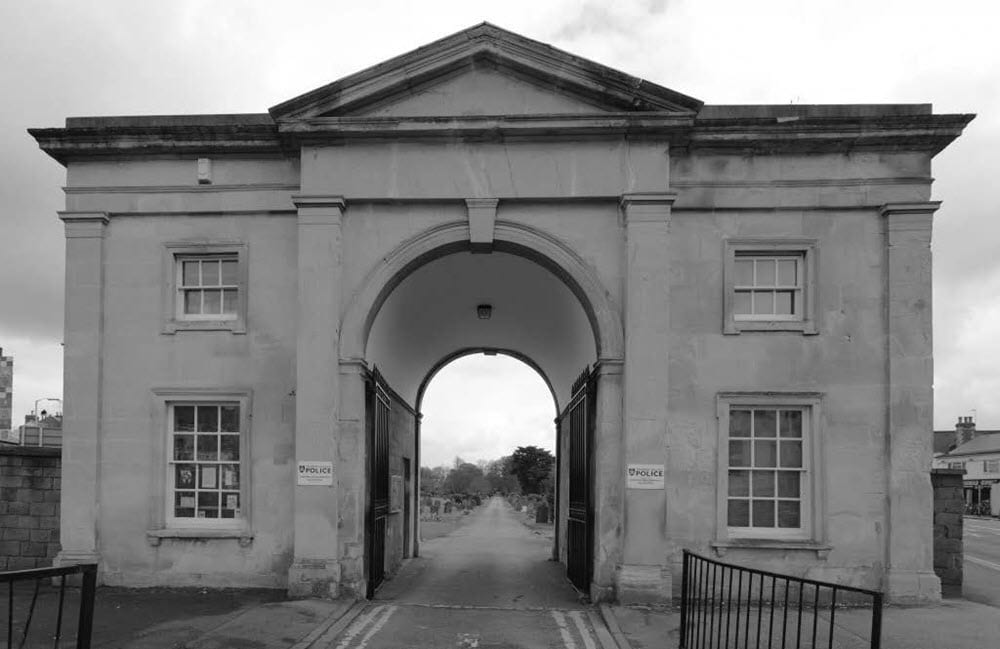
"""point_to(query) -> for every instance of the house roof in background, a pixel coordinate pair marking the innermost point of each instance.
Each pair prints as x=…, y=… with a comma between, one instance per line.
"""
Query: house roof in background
x=985, y=441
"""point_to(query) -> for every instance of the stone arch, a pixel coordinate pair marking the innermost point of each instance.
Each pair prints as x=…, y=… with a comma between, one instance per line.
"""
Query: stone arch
x=514, y=238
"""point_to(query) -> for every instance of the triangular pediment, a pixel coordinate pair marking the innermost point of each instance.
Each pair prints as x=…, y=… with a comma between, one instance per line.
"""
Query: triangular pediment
x=484, y=70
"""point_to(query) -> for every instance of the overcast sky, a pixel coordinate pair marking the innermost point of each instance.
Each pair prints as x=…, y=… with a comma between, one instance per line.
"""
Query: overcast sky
x=72, y=58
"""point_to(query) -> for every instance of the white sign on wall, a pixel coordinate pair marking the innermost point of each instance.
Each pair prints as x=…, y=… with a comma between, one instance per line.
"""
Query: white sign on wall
x=645, y=476
x=315, y=473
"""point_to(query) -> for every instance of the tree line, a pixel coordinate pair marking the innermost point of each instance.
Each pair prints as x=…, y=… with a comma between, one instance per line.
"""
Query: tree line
x=528, y=470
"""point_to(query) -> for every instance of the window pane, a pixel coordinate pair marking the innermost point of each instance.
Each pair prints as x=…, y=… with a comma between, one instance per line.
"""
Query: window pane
x=739, y=483
x=786, y=272
x=763, y=513
x=212, y=302
x=192, y=302
x=230, y=419
x=183, y=418
x=209, y=477
x=784, y=303
x=210, y=273
x=739, y=423
x=766, y=270
x=184, y=504
x=230, y=505
x=183, y=447
x=765, y=423
x=191, y=274
x=229, y=299
x=791, y=454
x=741, y=303
x=739, y=513
x=765, y=454
x=229, y=272
x=230, y=476
x=788, y=514
x=791, y=423
x=230, y=447
x=763, y=302
x=743, y=275
x=208, y=504
x=184, y=476
x=208, y=447
x=788, y=484
x=763, y=484
x=208, y=419
x=739, y=453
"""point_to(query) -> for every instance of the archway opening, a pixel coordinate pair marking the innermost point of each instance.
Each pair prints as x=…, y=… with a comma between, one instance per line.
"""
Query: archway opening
x=471, y=307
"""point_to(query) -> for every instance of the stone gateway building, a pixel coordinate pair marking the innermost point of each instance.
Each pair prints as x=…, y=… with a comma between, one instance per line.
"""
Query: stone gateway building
x=730, y=304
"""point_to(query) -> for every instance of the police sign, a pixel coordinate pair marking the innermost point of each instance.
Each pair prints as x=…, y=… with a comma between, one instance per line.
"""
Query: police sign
x=316, y=473
x=645, y=476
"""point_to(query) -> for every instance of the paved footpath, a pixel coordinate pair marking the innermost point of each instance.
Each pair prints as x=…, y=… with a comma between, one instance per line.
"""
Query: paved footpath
x=489, y=584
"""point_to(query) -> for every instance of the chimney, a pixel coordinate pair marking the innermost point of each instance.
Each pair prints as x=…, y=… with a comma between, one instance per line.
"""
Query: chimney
x=965, y=430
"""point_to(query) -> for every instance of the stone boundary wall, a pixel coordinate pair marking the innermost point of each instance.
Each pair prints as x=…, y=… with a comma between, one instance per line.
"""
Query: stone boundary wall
x=949, y=506
x=30, y=482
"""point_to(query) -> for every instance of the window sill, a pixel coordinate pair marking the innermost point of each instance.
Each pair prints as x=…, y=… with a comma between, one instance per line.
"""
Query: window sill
x=804, y=327
x=722, y=546
x=155, y=537
x=232, y=326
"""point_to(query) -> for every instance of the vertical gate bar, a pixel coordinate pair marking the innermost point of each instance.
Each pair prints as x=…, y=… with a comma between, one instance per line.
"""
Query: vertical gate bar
x=87, y=592
x=876, y=641
x=770, y=623
x=798, y=626
x=784, y=617
x=684, y=599
x=746, y=630
x=703, y=596
x=760, y=610
x=833, y=612
x=739, y=588
x=711, y=603
x=10, y=613
x=696, y=601
x=62, y=595
x=729, y=606
x=815, y=614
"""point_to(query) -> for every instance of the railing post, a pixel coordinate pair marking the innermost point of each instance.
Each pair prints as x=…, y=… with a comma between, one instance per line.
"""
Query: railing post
x=877, y=621
x=684, y=601
x=88, y=590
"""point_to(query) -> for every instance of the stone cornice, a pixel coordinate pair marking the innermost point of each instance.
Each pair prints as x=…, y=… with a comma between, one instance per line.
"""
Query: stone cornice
x=927, y=133
x=223, y=134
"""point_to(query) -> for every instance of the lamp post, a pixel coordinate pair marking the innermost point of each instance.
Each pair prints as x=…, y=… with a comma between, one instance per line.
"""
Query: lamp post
x=38, y=419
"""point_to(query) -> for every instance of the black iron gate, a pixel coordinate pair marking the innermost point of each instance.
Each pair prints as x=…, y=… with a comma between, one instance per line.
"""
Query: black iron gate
x=377, y=425
x=580, y=522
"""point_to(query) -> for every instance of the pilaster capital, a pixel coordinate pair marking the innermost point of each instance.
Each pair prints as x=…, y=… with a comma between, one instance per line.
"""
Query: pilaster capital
x=317, y=209
x=647, y=207
x=84, y=225
x=909, y=217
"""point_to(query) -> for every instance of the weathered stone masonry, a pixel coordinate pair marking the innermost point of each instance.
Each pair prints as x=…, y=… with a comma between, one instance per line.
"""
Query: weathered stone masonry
x=948, y=530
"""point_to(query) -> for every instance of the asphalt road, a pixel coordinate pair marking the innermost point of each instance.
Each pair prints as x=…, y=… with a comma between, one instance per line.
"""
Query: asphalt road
x=982, y=561
x=489, y=584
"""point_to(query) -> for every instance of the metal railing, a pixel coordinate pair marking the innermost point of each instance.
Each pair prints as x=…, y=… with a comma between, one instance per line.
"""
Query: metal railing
x=731, y=607
x=20, y=618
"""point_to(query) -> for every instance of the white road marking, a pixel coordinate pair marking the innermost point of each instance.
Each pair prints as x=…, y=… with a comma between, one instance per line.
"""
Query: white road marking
x=358, y=625
x=389, y=610
x=982, y=562
x=588, y=640
x=567, y=638
x=470, y=640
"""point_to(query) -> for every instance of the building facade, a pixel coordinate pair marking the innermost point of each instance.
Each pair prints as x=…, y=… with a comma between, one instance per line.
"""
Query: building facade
x=977, y=453
x=6, y=397
x=730, y=304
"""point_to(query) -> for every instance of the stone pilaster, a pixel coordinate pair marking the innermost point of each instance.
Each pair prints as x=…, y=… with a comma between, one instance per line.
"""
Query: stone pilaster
x=910, y=403
x=608, y=487
x=315, y=568
x=82, y=382
x=644, y=575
